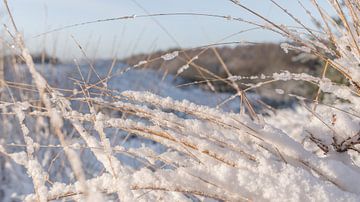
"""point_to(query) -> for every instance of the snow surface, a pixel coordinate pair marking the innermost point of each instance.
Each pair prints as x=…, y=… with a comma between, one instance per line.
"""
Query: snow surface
x=184, y=144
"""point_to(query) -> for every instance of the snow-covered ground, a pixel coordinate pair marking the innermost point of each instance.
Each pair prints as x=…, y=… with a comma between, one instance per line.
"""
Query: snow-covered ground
x=181, y=146
x=139, y=80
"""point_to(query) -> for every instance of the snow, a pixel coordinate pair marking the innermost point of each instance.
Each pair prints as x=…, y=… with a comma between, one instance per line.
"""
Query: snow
x=182, y=143
x=279, y=91
x=170, y=56
x=183, y=68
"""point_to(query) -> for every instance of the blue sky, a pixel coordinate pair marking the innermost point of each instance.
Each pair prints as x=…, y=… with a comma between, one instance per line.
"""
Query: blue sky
x=123, y=38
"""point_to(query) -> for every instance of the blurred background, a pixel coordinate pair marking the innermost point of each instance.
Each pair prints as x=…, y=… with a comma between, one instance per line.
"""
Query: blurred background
x=247, y=51
x=143, y=35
